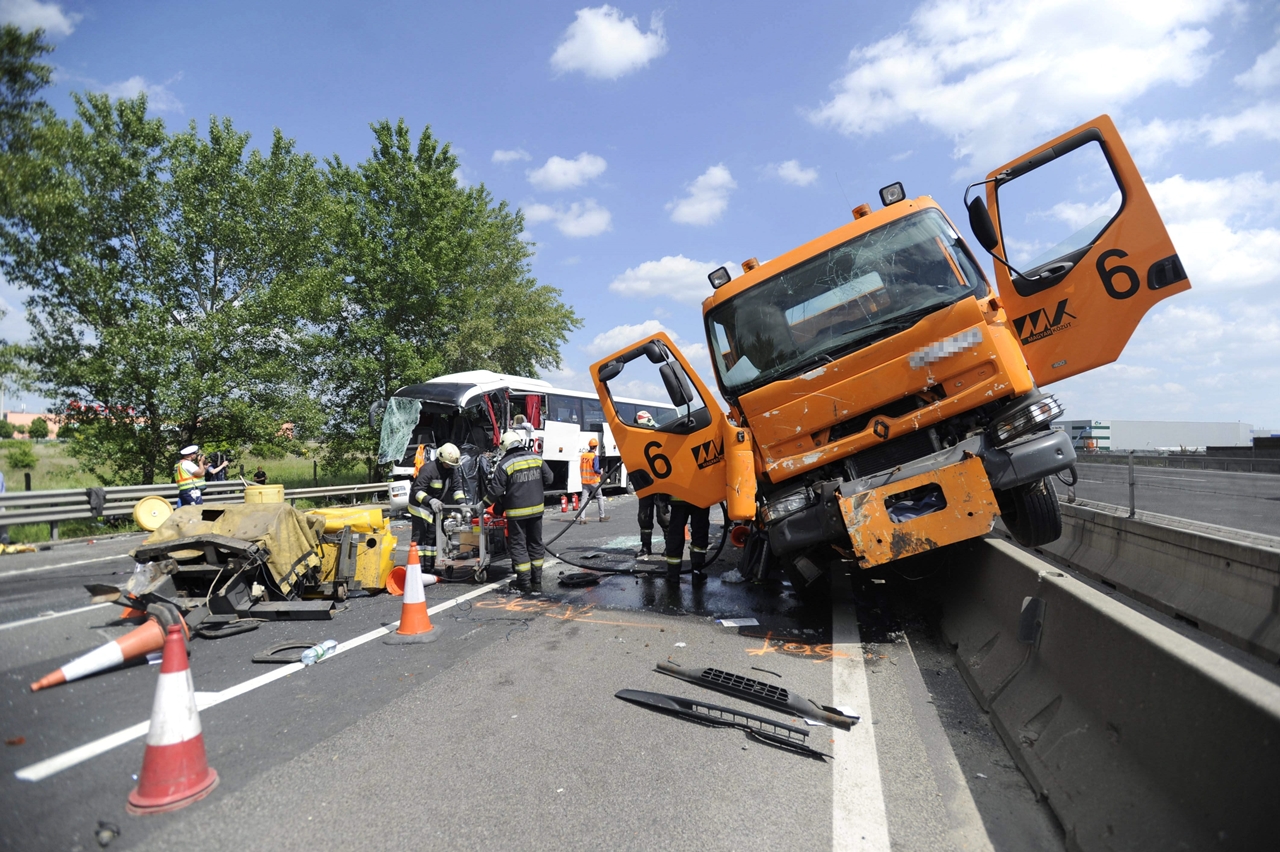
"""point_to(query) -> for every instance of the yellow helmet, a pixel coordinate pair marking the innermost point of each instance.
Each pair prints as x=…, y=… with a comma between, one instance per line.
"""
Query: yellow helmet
x=510, y=440
x=593, y=443
x=449, y=455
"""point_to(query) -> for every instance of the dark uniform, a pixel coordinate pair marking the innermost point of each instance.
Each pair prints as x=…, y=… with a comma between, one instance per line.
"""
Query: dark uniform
x=699, y=521
x=435, y=481
x=647, y=507
x=518, y=486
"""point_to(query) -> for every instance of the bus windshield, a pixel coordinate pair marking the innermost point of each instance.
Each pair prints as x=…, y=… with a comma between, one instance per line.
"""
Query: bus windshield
x=868, y=288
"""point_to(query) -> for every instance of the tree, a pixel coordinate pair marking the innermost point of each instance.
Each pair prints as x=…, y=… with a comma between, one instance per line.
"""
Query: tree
x=6, y=429
x=435, y=279
x=167, y=278
x=22, y=76
x=39, y=429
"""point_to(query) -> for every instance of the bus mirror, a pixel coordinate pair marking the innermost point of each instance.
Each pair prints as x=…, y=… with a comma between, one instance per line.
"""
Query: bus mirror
x=375, y=413
x=984, y=230
x=653, y=349
x=610, y=371
x=676, y=388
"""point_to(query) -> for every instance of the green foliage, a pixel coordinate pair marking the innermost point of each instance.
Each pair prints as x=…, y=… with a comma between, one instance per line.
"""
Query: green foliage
x=6, y=429
x=22, y=457
x=39, y=429
x=435, y=279
x=20, y=428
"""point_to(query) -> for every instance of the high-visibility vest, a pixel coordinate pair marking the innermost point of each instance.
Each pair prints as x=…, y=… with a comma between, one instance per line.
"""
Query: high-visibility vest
x=587, y=468
x=186, y=481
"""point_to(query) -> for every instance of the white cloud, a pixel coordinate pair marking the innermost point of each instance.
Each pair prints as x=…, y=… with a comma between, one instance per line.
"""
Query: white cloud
x=621, y=335
x=793, y=173
x=579, y=219
x=502, y=157
x=159, y=98
x=1265, y=72
x=602, y=44
x=677, y=278
x=1149, y=142
x=558, y=173
x=29, y=15
x=998, y=76
x=707, y=199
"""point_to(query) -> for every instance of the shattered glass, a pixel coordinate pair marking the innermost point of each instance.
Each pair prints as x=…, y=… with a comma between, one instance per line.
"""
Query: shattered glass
x=398, y=423
x=872, y=286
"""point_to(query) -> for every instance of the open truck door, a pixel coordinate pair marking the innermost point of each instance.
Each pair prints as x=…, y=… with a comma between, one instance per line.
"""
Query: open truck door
x=684, y=453
x=1074, y=305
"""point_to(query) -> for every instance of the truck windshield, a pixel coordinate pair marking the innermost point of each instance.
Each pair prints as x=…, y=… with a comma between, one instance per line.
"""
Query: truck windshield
x=873, y=286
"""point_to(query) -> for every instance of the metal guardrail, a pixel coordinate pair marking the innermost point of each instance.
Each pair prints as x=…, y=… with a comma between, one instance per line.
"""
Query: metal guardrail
x=72, y=504
x=1185, y=462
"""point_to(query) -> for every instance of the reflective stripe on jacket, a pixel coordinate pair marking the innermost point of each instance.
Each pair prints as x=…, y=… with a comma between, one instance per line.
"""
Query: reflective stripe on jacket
x=520, y=482
x=587, y=467
x=186, y=481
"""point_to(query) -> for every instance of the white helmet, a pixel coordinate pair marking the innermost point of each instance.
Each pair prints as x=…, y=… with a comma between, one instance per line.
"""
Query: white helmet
x=510, y=440
x=449, y=455
x=644, y=418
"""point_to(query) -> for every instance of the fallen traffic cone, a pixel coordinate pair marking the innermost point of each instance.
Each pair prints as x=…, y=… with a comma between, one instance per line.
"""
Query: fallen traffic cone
x=174, y=772
x=136, y=643
x=415, y=623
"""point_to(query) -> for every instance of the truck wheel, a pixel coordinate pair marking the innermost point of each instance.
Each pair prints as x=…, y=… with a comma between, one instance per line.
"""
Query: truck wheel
x=1031, y=513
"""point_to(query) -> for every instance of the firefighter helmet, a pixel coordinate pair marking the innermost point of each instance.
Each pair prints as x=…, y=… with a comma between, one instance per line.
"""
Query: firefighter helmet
x=449, y=455
x=510, y=440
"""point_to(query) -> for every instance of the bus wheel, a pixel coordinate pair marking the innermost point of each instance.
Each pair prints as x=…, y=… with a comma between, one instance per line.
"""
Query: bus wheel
x=1031, y=512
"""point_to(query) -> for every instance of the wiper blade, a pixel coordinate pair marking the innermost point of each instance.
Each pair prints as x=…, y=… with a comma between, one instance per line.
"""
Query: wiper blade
x=765, y=730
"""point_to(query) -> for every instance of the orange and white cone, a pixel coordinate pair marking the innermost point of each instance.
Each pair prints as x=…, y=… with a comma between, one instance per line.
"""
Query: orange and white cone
x=174, y=772
x=136, y=643
x=415, y=623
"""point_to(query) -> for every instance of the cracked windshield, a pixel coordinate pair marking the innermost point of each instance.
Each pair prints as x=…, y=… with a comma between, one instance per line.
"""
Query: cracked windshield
x=864, y=290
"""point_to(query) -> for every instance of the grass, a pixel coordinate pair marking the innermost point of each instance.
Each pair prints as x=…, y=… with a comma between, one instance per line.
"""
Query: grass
x=55, y=470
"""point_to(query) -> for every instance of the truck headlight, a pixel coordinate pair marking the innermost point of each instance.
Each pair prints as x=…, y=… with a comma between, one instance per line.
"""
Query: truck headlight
x=776, y=510
x=1025, y=416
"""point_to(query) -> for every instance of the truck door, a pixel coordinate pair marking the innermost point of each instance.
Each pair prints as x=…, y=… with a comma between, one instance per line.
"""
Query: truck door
x=682, y=454
x=1089, y=252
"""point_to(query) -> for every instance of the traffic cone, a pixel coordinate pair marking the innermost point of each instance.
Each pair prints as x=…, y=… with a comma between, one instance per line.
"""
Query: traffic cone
x=415, y=623
x=174, y=772
x=564, y=504
x=136, y=643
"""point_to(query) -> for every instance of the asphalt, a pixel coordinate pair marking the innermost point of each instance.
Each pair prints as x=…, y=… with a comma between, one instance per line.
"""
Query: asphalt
x=506, y=730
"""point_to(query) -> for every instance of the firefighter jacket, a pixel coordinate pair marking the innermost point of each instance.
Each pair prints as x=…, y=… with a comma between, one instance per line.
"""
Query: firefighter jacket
x=434, y=480
x=519, y=482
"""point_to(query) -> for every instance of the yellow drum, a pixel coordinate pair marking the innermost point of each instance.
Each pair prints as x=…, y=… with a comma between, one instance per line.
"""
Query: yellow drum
x=150, y=512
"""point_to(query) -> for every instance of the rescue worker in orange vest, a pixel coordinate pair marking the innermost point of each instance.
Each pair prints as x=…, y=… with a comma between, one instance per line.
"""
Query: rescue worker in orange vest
x=589, y=467
x=519, y=487
x=189, y=474
x=435, y=481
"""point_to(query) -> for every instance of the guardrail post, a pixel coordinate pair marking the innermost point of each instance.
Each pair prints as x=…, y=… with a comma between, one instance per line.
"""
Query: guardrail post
x=27, y=477
x=1133, y=510
x=315, y=473
x=53, y=531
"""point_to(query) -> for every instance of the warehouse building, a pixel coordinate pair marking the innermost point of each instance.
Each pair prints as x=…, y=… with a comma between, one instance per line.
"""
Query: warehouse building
x=1153, y=436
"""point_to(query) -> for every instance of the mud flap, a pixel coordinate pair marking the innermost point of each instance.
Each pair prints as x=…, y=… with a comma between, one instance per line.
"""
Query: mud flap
x=970, y=511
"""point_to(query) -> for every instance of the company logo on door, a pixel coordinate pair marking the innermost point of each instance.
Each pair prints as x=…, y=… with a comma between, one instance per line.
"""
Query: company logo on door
x=1040, y=323
x=709, y=453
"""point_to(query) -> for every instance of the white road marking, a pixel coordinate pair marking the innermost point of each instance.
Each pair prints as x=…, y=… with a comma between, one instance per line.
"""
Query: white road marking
x=88, y=751
x=859, y=820
x=36, y=618
x=6, y=574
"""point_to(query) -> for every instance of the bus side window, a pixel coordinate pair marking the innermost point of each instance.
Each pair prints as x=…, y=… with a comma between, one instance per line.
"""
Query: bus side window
x=564, y=409
x=593, y=414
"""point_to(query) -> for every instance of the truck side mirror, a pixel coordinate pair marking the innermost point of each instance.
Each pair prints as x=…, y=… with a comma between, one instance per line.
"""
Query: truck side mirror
x=654, y=350
x=610, y=371
x=676, y=388
x=981, y=225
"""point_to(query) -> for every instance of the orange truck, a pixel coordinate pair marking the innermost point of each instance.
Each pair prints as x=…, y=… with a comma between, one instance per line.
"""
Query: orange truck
x=883, y=400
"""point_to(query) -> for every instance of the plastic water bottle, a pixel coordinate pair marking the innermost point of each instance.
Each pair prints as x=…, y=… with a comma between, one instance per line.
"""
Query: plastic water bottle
x=318, y=652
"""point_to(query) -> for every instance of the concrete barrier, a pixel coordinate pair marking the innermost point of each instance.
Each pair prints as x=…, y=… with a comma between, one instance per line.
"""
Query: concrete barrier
x=1139, y=737
x=1228, y=588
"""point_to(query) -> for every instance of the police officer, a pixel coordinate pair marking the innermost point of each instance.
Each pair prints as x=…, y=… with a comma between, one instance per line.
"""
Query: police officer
x=433, y=483
x=699, y=520
x=518, y=485
x=189, y=474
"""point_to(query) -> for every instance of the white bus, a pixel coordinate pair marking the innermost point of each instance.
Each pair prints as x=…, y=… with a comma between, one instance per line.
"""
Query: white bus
x=474, y=408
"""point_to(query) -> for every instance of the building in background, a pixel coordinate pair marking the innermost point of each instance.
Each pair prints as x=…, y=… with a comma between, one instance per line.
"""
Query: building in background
x=24, y=418
x=1154, y=436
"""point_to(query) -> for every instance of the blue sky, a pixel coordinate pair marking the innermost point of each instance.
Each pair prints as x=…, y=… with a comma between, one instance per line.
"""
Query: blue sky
x=649, y=143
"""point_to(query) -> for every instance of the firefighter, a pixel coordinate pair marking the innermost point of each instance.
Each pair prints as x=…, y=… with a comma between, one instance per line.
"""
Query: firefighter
x=589, y=467
x=435, y=480
x=648, y=506
x=699, y=520
x=518, y=486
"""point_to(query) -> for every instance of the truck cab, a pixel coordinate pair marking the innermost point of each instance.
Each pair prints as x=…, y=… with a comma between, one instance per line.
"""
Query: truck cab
x=884, y=399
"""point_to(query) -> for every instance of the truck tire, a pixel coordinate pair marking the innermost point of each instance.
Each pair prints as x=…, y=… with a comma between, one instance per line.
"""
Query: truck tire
x=1031, y=513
